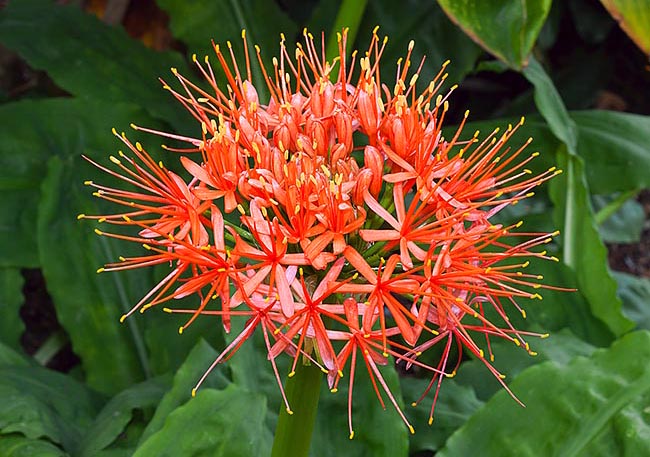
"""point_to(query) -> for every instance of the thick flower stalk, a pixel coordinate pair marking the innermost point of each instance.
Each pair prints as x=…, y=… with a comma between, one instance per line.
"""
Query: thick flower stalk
x=335, y=215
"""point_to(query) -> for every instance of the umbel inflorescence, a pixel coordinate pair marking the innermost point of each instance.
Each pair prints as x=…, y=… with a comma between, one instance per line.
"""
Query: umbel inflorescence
x=335, y=215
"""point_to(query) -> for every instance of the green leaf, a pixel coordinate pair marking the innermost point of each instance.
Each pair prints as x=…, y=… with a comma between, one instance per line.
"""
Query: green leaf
x=168, y=349
x=15, y=445
x=90, y=59
x=37, y=403
x=504, y=28
x=186, y=377
x=435, y=36
x=21, y=171
x=223, y=21
x=227, y=422
x=117, y=413
x=615, y=149
x=635, y=293
x=560, y=347
x=624, y=224
x=455, y=405
x=592, y=406
x=377, y=432
x=9, y=357
x=561, y=309
x=633, y=16
x=11, y=299
x=550, y=105
x=582, y=247
x=89, y=306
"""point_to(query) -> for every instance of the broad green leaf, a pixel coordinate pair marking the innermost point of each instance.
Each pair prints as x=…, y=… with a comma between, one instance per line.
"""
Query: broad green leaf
x=224, y=21
x=33, y=131
x=560, y=309
x=37, y=403
x=89, y=306
x=15, y=445
x=560, y=347
x=11, y=299
x=435, y=36
x=582, y=247
x=504, y=28
x=635, y=293
x=377, y=432
x=591, y=406
x=10, y=357
x=455, y=405
x=633, y=16
x=90, y=59
x=66, y=128
x=612, y=144
x=168, y=349
x=227, y=422
x=117, y=413
x=186, y=377
x=615, y=149
x=550, y=105
x=624, y=224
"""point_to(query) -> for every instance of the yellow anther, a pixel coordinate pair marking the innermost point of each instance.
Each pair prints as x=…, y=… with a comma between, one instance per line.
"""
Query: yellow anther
x=352, y=434
x=180, y=330
x=115, y=160
x=411, y=429
x=81, y=216
x=292, y=374
x=289, y=412
x=101, y=270
x=167, y=310
x=430, y=420
x=99, y=232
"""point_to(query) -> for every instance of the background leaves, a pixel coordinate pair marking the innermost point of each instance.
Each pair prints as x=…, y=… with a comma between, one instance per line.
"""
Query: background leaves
x=591, y=406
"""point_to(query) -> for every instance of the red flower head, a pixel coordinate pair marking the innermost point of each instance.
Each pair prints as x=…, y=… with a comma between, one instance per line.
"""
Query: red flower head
x=352, y=223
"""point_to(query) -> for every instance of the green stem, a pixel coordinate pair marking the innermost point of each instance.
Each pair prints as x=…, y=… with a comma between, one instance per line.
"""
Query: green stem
x=293, y=432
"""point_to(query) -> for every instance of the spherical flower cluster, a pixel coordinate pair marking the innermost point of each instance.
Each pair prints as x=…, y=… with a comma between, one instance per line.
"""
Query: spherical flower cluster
x=335, y=215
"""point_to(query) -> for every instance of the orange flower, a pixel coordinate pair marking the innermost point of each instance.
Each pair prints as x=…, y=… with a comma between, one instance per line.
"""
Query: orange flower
x=330, y=251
